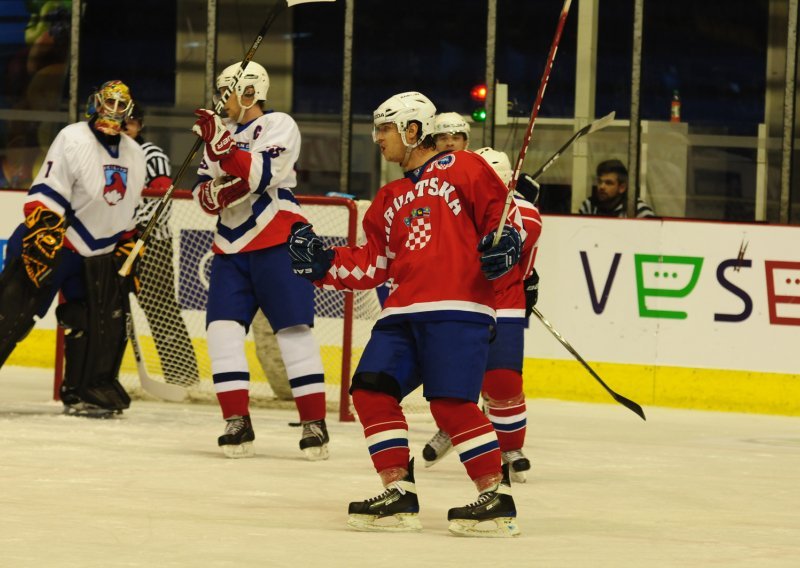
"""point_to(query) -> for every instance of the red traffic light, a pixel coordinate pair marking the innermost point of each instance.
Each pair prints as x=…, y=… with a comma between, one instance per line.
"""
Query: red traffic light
x=478, y=93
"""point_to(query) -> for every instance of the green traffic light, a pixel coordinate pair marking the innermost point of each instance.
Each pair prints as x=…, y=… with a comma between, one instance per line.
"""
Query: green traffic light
x=479, y=115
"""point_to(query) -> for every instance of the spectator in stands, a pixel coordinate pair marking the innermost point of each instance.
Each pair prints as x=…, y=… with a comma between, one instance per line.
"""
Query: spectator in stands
x=610, y=197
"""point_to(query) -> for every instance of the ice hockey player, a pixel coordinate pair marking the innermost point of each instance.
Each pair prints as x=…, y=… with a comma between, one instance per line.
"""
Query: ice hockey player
x=515, y=293
x=430, y=235
x=79, y=219
x=156, y=268
x=451, y=132
x=246, y=178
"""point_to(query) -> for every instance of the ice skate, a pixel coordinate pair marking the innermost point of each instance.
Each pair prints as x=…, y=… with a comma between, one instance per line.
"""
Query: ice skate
x=518, y=464
x=394, y=510
x=492, y=515
x=237, y=441
x=314, y=442
x=436, y=448
x=89, y=410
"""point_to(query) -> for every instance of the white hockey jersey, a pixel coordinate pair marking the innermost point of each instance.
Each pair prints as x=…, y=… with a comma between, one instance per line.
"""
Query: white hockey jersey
x=94, y=190
x=267, y=150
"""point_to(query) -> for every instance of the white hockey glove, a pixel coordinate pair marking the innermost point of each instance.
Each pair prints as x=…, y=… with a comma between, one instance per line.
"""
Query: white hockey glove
x=209, y=127
x=310, y=258
x=498, y=260
x=225, y=191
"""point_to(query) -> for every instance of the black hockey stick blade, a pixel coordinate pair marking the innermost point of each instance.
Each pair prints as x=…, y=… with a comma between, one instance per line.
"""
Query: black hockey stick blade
x=618, y=397
x=598, y=124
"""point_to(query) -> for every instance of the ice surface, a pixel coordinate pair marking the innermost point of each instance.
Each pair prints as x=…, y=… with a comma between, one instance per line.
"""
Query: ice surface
x=151, y=489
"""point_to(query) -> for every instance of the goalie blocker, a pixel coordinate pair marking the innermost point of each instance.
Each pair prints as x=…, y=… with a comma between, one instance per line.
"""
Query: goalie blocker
x=95, y=341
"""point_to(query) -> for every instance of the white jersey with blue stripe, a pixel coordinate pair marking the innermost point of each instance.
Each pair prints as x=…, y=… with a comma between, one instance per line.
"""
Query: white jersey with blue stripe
x=272, y=144
x=95, y=188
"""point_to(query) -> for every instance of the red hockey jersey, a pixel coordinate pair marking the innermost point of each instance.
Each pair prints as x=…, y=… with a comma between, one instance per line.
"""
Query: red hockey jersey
x=509, y=290
x=422, y=235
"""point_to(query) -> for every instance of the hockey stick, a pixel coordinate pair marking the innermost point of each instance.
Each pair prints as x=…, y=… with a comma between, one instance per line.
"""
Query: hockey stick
x=512, y=184
x=618, y=397
x=598, y=124
x=165, y=391
x=279, y=7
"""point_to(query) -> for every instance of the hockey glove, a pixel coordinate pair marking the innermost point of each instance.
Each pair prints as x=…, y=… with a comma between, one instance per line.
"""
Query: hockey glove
x=225, y=191
x=498, y=260
x=121, y=254
x=531, y=286
x=41, y=245
x=310, y=259
x=209, y=127
x=528, y=187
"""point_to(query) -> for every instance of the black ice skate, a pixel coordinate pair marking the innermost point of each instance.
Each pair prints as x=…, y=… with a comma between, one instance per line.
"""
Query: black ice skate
x=237, y=441
x=314, y=441
x=518, y=465
x=394, y=510
x=436, y=448
x=492, y=515
x=89, y=410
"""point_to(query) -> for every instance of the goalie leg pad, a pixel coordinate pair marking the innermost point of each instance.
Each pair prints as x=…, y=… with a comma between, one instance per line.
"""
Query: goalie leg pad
x=97, y=337
x=20, y=301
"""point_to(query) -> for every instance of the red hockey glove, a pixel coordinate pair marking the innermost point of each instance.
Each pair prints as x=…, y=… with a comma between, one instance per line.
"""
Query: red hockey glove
x=209, y=127
x=41, y=245
x=225, y=191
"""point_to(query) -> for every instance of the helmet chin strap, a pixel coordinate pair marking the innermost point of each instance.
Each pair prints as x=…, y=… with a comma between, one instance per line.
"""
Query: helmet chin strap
x=243, y=109
x=409, y=149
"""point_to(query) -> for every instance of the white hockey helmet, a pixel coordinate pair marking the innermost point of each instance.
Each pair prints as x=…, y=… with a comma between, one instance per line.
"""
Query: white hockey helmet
x=499, y=162
x=402, y=109
x=451, y=123
x=254, y=76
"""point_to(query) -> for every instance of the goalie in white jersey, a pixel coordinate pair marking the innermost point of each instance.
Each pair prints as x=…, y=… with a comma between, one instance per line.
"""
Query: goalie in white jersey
x=246, y=178
x=79, y=221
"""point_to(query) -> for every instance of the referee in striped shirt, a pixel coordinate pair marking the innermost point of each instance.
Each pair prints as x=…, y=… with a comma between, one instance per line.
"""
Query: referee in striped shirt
x=156, y=268
x=609, y=199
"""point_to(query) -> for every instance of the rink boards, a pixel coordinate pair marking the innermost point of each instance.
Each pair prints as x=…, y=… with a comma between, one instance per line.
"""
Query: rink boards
x=668, y=312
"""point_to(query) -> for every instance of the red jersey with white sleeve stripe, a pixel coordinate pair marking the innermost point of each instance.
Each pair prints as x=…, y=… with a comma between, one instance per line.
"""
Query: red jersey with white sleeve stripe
x=267, y=149
x=509, y=290
x=422, y=233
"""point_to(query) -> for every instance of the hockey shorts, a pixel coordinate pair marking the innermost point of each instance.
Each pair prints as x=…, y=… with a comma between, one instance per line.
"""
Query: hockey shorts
x=507, y=349
x=243, y=282
x=447, y=358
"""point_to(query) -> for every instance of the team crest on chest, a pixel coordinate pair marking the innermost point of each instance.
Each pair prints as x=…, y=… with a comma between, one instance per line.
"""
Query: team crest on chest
x=116, y=178
x=419, y=228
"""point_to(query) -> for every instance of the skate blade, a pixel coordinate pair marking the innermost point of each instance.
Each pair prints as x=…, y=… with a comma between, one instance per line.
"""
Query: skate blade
x=518, y=476
x=439, y=457
x=245, y=450
x=318, y=453
x=501, y=527
x=90, y=411
x=401, y=522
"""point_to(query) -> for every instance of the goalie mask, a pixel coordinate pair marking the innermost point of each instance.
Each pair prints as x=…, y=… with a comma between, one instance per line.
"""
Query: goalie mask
x=253, y=82
x=499, y=162
x=112, y=104
x=402, y=109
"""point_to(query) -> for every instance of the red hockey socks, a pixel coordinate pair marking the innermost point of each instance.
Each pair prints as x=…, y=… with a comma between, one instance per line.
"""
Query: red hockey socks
x=472, y=435
x=385, y=429
x=505, y=401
